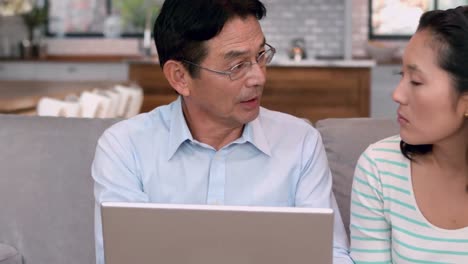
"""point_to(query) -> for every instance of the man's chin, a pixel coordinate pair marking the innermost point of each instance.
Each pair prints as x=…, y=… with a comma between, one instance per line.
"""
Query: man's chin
x=251, y=115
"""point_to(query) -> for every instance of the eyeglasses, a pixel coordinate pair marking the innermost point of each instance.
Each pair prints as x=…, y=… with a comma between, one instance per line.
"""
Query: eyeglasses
x=241, y=69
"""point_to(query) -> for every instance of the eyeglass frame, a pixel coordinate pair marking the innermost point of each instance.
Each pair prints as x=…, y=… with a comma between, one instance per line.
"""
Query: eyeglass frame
x=247, y=63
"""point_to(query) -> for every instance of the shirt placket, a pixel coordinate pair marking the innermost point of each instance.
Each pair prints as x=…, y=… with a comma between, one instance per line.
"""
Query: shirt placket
x=217, y=179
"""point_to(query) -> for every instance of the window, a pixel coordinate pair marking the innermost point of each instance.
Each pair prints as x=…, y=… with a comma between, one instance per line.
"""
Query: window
x=393, y=19
x=100, y=17
x=446, y=4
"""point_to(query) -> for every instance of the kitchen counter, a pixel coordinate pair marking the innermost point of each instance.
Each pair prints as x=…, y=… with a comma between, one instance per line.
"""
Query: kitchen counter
x=286, y=62
x=77, y=58
x=314, y=89
x=278, y=60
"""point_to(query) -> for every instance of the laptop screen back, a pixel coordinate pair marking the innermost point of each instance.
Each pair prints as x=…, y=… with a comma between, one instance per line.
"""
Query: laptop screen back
x=200, y=234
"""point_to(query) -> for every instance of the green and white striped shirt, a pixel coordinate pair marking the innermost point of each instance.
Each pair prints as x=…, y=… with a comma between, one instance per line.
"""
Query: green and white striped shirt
x=386, y=223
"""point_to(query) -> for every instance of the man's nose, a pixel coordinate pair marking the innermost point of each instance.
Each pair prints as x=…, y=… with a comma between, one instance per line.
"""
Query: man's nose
x=256, y=75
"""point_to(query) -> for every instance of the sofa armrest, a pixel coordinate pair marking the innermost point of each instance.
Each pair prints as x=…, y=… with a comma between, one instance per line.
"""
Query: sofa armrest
x=9, y=255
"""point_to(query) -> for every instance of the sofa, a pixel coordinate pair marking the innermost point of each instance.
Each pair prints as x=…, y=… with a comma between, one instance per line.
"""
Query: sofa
x=46, y=189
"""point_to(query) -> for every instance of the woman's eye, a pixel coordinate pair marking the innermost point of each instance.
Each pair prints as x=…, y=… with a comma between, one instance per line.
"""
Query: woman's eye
x=415, y=83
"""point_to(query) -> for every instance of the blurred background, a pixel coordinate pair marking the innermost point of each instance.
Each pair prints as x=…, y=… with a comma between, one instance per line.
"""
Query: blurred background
x=342, y=53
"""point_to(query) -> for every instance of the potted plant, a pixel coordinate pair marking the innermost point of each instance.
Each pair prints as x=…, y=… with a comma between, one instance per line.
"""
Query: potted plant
x=34, y=17
x=137, y=13
x=35, y=20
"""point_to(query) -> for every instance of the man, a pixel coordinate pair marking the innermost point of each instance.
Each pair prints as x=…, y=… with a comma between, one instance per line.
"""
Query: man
x=214, y=144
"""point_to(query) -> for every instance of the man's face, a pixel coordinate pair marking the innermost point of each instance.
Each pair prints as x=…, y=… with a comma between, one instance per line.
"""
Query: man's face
x=215, y=97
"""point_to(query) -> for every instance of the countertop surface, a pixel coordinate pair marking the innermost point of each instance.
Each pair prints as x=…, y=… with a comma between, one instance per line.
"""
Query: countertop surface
x=280, y=61
x=284, y=61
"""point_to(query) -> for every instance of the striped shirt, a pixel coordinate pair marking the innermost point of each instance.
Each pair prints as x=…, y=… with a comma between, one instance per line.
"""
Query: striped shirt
x=386, y=223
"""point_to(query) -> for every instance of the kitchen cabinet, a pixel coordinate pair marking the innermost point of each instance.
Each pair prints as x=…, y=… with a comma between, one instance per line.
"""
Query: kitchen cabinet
x=384, y=79
x=63, y=71
x=310, y=90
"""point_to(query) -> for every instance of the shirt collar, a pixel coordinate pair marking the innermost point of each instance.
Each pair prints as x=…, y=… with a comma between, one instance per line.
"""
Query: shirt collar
x=179, y=132
x=253, y=133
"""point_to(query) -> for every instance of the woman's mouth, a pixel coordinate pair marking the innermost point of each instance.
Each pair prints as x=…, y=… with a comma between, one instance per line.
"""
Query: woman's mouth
x=402, y=120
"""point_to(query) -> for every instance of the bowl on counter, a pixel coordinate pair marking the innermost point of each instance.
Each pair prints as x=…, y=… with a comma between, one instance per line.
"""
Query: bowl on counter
x=382, y=52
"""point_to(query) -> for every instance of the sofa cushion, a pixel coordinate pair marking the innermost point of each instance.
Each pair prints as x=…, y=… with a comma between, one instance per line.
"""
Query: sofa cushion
x=9, y=255
x=345, y=139
x=46, y=189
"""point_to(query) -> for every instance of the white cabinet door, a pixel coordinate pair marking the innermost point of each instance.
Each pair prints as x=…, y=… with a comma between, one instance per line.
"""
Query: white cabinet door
x=63, y=71
x=16, y=71
x=384, y=80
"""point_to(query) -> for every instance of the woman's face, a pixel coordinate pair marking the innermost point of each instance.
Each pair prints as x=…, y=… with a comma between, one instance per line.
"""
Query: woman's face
x=430, y=108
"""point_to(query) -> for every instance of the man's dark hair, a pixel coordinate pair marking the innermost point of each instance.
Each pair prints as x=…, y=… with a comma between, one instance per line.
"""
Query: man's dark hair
x=449, y=31
x=183, y=26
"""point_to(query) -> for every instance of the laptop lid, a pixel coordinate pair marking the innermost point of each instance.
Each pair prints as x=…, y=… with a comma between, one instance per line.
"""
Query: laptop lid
x=204, y=234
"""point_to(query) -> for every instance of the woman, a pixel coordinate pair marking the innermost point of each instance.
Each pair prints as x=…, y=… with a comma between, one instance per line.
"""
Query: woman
x=410, y=192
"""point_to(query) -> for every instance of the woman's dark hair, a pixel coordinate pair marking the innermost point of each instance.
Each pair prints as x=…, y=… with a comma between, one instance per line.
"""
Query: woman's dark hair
x=449, y=31
x=183, y=26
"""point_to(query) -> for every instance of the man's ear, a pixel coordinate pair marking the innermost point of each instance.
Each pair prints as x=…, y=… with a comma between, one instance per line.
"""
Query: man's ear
x=465, y=103
x=177, y=76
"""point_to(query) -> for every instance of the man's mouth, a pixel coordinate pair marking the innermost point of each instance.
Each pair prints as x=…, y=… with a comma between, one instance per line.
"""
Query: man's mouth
x=251, y=103
x=250, y=100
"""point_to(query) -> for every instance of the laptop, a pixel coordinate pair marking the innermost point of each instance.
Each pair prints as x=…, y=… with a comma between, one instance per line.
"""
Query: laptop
x=205, y=234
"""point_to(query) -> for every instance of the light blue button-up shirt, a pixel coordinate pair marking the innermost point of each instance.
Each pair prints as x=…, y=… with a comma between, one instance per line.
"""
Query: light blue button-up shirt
x=278, y=161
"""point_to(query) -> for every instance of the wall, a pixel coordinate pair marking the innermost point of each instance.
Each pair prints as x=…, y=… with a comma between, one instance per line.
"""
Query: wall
x=360, y=27
x=320, y=22
x=11, y=31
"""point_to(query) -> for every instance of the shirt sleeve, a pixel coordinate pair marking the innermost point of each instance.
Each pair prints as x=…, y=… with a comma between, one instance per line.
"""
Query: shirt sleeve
x=370, y=230
x=315, y=190
x=116, y=179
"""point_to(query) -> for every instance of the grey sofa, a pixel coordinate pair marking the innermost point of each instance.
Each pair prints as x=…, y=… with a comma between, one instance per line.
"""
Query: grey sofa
x=46, y=190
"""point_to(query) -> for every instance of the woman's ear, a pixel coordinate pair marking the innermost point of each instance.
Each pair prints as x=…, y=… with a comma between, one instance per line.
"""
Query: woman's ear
x=177, y=76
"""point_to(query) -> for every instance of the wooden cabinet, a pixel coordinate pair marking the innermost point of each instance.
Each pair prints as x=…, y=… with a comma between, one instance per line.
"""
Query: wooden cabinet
x=318, y=92
x=311, y=92
x=157, y=90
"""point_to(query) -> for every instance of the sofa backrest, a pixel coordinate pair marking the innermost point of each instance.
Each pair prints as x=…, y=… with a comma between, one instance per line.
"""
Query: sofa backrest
x=345, y=139
x=44, y=213
x=48, y=216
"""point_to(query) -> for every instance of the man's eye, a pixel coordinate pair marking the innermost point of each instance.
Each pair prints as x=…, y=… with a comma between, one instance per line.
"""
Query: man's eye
x=239, y=67
x=261, y=54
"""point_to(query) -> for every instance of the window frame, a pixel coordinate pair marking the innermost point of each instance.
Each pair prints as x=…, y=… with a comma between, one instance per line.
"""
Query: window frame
x=375, y=36
x=48, y=33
